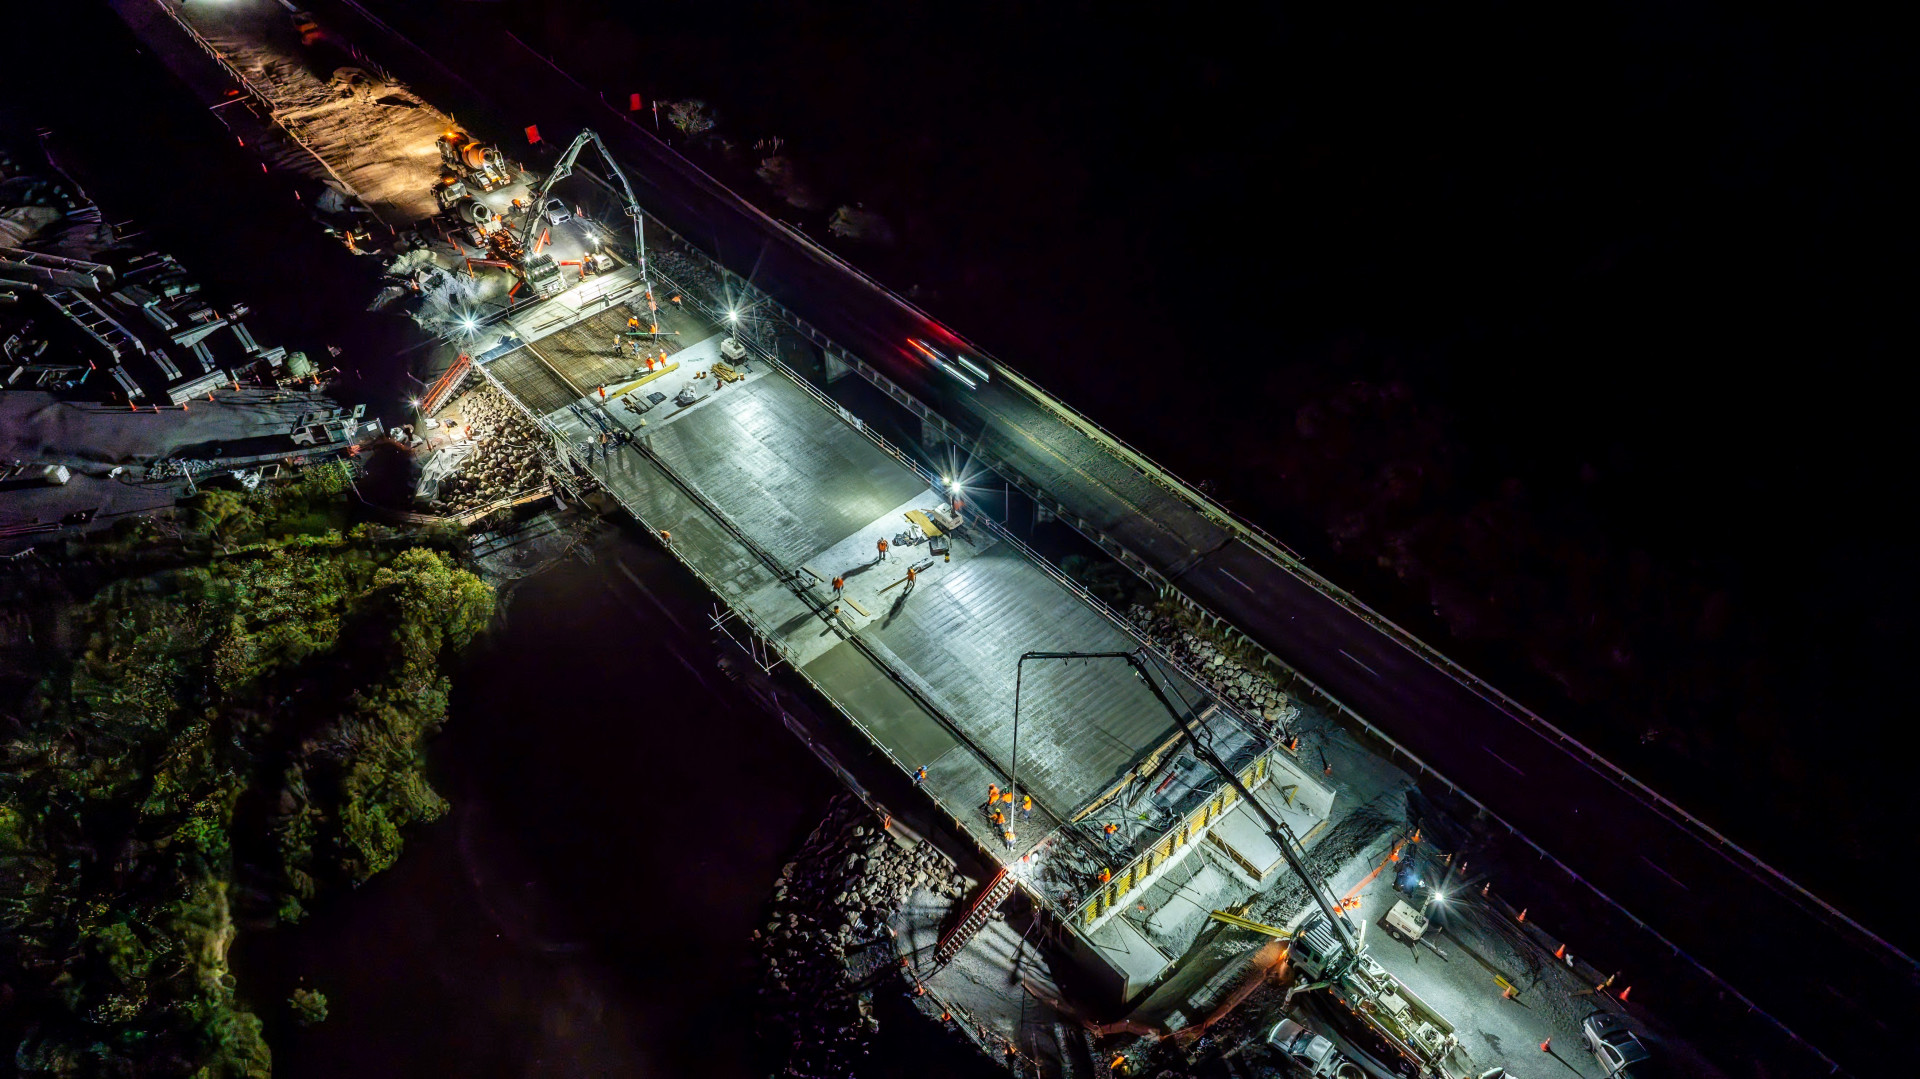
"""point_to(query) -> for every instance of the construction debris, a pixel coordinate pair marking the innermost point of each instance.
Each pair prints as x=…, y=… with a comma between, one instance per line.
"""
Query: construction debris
x=826, y=948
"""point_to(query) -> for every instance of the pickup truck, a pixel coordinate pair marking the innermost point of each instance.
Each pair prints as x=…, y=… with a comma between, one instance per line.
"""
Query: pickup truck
x=1311, y=1054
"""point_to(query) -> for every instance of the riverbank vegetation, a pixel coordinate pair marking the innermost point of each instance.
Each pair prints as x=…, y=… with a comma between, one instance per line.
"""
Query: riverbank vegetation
x=226, y=738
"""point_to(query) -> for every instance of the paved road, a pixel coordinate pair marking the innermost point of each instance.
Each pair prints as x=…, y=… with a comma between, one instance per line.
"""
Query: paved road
x=1839, y=987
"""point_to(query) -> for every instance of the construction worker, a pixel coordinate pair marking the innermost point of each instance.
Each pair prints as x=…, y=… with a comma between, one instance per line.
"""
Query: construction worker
x=920, y=775
x=836, y=611
x=999, y=819
x=1026, y=807
x=1009, y=837
x=883, y=548
x=839, y=586
x=993, y=794
x=1111, y=828
x=633, y=324
x=1106, y=875
x=1007, y=797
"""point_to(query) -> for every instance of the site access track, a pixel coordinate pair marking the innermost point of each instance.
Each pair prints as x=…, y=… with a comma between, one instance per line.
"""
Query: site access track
x=1705, y=897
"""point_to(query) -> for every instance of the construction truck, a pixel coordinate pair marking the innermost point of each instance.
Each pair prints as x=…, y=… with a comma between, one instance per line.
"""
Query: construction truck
x=474, y=162
x=1322, y=959
x=1328, y=950
x=539, y=269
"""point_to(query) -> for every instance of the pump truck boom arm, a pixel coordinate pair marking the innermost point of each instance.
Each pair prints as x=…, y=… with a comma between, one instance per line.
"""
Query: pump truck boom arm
x=1277, y=829
x=564, y=168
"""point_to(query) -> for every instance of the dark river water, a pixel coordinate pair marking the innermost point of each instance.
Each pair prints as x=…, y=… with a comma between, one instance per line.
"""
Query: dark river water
x=620, y=811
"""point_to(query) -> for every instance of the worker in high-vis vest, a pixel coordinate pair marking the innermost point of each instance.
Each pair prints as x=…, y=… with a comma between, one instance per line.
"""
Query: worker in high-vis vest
x=1026, y=806
x=883, y=548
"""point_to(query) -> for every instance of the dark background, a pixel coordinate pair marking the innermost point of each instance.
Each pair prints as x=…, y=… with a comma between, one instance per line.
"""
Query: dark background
x=1573, y=340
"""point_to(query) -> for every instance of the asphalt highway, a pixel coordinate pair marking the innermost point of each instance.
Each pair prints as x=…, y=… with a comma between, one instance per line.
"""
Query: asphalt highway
x=1846, y=990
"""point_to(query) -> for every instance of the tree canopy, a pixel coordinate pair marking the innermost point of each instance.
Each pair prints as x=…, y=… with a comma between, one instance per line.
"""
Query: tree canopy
x=231, y=738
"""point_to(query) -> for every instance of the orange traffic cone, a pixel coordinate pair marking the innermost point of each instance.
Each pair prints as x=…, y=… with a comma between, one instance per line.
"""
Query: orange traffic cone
x=1545, y=1046
x=1507, y=993
x=1624, y=992
x=1484, y=888
x=1560, y=952
x=1523, y=915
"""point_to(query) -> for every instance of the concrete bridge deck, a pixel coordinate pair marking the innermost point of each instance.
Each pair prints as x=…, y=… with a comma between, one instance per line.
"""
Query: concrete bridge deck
x=770, y=495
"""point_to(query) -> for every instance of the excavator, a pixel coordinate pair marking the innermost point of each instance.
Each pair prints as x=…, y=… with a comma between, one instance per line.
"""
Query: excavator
x=538, y=269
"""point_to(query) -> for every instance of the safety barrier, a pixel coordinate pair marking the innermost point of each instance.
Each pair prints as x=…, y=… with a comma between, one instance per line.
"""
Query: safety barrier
x=1138, y=873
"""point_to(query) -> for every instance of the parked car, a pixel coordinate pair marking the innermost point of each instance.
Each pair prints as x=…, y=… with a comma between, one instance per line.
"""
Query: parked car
x=557, y=211
x=1614, y=1043
x=1311, y=1054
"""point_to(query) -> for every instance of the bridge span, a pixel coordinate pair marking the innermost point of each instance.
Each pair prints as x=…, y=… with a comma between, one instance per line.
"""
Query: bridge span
x=1690, y=888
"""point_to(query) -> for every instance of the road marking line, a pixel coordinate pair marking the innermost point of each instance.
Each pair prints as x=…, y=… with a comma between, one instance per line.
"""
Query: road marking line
x=1664, y=873
x=1349, y=655
x=1245, y=585
x=1503, y=760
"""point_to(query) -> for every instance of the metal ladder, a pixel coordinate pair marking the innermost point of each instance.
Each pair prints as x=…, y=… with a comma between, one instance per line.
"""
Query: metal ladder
x=94, y=319
x=978, y=912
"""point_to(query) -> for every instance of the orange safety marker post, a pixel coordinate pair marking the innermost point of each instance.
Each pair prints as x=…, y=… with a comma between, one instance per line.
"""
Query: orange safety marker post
x=1546, y=1046
x=1484, y=888
x=1624, y=992
x=1523, y=915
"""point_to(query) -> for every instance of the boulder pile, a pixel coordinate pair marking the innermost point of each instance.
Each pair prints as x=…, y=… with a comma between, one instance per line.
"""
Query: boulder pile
x=1253, y=690
x=826, y=946
x=505, y=460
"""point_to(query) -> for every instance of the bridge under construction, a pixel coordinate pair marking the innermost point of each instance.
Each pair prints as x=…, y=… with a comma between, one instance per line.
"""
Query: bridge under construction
x=780, y=500
x=666, y=375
